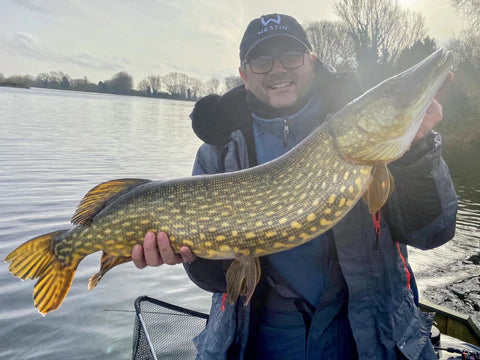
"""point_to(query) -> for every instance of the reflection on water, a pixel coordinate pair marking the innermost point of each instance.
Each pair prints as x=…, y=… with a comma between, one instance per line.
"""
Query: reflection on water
x=464, y=247
x=54, y=146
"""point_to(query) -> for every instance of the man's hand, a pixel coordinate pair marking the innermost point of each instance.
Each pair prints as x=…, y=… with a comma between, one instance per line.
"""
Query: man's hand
x=156, y=250
x=434, y=113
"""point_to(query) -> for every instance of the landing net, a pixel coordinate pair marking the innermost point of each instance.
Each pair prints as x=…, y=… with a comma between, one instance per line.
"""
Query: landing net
x=165, y=331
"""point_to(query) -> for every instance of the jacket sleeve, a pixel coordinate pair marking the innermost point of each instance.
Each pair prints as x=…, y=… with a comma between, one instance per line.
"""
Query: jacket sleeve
x=422, y=208
x=208, y=274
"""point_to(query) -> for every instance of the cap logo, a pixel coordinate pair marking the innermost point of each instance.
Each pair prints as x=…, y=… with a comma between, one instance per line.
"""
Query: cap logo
x=266, y=22
x=271, y=27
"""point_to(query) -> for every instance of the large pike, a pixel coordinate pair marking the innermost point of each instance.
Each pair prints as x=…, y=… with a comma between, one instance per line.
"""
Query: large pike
x=250, y=213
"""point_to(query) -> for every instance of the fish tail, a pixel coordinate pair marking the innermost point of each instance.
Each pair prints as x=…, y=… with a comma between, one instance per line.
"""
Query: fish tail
x=36, y=259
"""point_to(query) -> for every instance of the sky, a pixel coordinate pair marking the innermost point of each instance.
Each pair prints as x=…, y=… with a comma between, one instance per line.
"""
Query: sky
x=98, y=38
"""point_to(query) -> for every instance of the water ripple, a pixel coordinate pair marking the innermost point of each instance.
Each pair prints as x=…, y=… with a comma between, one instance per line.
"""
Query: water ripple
x=54, y=147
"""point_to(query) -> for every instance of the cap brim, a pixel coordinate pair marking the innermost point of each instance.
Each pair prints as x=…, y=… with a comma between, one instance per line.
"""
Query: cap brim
x=269, y=37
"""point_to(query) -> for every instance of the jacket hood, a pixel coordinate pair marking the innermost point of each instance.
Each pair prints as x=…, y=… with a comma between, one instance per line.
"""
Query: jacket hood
x=214, y=117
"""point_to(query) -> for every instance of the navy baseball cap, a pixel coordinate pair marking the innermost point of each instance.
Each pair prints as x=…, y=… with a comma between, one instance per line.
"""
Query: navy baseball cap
x=268, y=26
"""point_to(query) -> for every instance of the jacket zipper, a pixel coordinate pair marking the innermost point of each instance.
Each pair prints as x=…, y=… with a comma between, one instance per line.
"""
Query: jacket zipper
x=378, y=228
x=286, y=130
x=405, y=266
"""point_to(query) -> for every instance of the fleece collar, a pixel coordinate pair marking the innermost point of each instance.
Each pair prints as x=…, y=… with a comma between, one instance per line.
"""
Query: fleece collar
x=276, y=125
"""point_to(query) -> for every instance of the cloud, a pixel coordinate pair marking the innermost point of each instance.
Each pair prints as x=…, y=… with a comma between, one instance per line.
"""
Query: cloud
x=35, y=5
x=27, y=45
x=26, y=41
x=94, y=62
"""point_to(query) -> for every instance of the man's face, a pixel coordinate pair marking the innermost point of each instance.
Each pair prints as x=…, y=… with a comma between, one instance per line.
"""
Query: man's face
x=279, y=87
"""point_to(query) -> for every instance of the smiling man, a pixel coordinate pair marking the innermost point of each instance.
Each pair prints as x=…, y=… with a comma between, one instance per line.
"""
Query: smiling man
x=284, y=83
x=350, y=292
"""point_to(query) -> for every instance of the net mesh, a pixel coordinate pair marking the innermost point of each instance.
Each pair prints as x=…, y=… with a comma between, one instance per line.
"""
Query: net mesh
x=165, y=330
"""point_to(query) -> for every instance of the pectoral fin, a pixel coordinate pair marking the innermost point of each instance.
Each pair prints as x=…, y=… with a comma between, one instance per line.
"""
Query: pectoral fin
x=242, y=278
x=380, y=188
x=108, y=262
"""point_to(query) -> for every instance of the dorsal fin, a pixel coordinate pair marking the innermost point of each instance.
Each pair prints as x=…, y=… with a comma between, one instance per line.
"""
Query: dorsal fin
x=96, y=198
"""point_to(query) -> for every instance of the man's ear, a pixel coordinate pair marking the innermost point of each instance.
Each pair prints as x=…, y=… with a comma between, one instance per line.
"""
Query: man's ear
x=312, y=57
x=243, y=73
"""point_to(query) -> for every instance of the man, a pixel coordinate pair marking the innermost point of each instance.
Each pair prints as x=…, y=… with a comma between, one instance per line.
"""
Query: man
x=350, y=292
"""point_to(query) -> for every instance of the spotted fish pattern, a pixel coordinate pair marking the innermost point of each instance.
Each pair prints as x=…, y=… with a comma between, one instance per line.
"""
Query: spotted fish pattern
x=247, y=213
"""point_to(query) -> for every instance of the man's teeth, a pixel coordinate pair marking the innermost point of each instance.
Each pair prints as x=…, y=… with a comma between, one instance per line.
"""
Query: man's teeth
x=276, y=86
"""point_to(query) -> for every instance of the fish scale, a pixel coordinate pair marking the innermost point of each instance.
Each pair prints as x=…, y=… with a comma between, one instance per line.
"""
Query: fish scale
x=249, y=213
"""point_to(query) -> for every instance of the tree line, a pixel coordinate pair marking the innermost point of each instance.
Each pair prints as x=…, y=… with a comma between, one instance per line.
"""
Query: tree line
x=174, y=85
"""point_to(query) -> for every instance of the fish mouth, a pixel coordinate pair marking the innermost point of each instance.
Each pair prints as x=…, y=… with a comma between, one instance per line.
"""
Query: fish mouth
x=380, y=125
x=417, y=88
x=422, y=81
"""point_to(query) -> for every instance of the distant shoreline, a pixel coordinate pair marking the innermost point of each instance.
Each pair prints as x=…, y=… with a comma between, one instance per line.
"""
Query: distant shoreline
x=175, y=86
x=14, y=85
x=134, y=93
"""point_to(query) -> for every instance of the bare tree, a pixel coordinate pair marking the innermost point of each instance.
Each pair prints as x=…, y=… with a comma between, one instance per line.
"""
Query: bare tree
x=212, y=86
x=467, y=46
x=170, y=81
x=155, y=82
x=466, y=49
x=196, y=87
x=380, y=30
x=332, y=43
x=176, y=84
x=182, y=84
x=144, y=86
x=41, y=80
x=55, y=79
x=232, y=82
x=470, y=10
x=409, y=28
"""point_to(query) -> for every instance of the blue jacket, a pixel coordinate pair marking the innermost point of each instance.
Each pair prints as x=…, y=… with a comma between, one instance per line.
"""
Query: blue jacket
x=384, y=318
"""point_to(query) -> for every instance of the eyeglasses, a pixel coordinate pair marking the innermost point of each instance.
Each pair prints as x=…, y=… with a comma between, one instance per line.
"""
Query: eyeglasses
x=290, y=60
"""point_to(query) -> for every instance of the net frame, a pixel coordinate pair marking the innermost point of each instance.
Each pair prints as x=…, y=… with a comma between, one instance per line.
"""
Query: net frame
x=157, y=326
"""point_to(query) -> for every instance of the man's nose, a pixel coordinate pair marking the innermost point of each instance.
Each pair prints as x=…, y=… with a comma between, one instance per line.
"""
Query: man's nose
x=277, y=67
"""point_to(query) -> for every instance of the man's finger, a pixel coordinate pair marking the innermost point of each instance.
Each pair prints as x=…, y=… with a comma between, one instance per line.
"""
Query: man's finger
x=187, y=255
x=137, y=257
x=432, y=117
x=166, y=251
x=444, y=86
x=151, y=251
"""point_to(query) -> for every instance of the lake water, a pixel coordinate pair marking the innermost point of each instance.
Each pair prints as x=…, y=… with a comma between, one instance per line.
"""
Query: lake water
x=55, y=146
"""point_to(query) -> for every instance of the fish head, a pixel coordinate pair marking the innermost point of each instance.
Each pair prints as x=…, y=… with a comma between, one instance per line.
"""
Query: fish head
x=380, y=125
